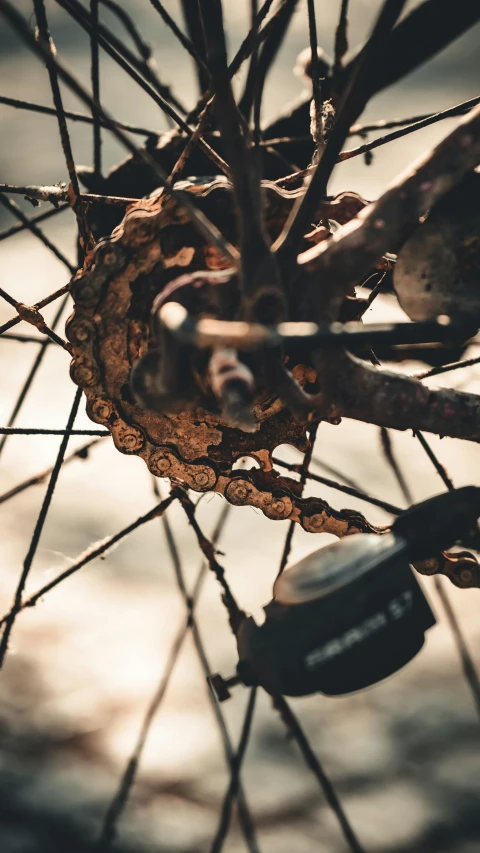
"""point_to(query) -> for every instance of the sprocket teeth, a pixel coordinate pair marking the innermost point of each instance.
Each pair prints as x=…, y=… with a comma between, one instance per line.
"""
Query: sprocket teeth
x=109, y=329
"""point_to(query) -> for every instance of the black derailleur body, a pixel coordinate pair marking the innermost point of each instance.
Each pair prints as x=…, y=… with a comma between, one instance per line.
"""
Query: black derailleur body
x=353, y=613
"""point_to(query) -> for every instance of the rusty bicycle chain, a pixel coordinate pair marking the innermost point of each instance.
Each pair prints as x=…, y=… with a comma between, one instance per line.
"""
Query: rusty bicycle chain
x=109, y=331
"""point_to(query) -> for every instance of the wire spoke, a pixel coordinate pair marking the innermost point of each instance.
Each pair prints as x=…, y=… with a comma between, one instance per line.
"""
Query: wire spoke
x=36, y=431
x=279, y=702
x=35, y=366
x=30, y=315
x=40, y=217
x=296, y=732
x=256, y=96
x=95, y=78
x=17, y=601
x=388, y=124
x=117, y=52
x=16, y=211
x=353, y=102
x=236, y=766
x=205, y=104
x=243, y=809
x=236, y=617
x=435, y=461
x=256, y=36
x=56, y=194
x=206, y=228
x=458, y=110
x=115, y=810
x=37, y=479
x=150, y=68
x=193, y=22
x=182, y=38
x=43, y=302
x=341, y=41
x=316, y=84
x=259, y=276
x=138, y=69
x=320, y=463
x=49, y=49
x=23, y=339
x=387, y=448
x=74, y=116
x=446, y=368
x=304, y=471
x=413, y=125
x=469, y=670
x=272, y=36
x=468, y=666
x=235, y=614
x=189, y=147
x=89, y=555
x=340, y=487
x=118, y=803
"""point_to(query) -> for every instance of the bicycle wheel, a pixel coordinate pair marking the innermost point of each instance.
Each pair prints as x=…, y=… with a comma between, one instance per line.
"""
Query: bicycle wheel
x=113, y=737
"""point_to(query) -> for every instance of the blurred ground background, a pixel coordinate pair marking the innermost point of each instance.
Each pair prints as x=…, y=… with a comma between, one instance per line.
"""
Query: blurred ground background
x=84, y=663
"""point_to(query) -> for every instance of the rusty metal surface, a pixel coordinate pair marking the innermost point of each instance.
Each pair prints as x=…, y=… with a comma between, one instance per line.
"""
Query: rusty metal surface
x=109, y=331
x=152, y=252
x=460, y=567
